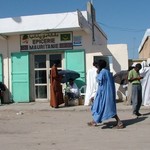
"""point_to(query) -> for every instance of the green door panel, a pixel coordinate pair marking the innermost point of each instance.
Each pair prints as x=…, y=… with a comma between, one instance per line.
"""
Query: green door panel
x=75, y=60
x=1, y=70
x=20, y=76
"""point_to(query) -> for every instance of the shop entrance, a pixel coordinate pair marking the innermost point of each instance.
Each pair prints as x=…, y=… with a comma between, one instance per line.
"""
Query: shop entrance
x=42, y=66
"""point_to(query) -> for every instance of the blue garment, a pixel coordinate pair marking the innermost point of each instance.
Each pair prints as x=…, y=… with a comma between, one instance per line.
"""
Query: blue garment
x=104, y=104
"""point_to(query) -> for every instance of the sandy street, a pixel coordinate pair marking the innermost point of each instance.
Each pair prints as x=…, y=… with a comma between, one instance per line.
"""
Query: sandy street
x=37, y=127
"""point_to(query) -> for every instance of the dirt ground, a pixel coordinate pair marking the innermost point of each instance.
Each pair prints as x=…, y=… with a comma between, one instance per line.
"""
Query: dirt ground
x=30, y=128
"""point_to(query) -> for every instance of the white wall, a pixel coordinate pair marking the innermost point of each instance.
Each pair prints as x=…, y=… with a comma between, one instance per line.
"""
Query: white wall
x=120, y=62
x=120, y=57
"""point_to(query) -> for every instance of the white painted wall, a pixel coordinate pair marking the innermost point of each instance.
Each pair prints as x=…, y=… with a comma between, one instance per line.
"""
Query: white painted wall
x=120, y=62
x=100, y=36
x=120, y=57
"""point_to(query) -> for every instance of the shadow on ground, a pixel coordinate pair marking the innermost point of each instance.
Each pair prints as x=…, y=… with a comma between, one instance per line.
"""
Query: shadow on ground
x=128, y=122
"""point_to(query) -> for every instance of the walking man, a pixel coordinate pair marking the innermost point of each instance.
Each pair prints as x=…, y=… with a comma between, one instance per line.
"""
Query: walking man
x=104, y=104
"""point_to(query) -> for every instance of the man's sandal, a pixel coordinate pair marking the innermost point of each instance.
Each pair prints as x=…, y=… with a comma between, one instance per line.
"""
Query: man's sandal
x=94, y=124
x=119, y=126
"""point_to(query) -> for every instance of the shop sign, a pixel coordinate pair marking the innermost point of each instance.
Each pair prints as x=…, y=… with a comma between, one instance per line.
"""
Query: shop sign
x=46, y=41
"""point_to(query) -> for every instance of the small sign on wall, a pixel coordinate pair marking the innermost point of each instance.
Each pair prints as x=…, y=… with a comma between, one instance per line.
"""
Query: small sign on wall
x=77, y=41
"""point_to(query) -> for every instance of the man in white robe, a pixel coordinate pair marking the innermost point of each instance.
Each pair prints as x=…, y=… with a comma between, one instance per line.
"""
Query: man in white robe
x=145, y=82
x=91, y=84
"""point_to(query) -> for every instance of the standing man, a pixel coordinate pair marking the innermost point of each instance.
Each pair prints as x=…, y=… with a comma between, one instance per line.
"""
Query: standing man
x=56, y=95
x=134, y=77
x=91, y=85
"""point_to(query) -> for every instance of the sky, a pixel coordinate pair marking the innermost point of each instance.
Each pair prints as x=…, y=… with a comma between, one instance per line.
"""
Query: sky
x=123, y=21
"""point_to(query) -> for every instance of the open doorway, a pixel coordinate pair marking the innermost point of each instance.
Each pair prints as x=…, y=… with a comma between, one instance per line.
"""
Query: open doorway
x=42, y=64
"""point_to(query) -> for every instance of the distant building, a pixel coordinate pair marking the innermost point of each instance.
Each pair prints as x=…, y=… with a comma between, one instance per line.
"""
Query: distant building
x=144, y=48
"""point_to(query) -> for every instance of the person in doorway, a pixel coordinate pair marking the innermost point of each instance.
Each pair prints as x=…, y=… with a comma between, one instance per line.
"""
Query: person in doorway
x=91, y=86
x=104, y=104
x=72, y=90
x=136, y=98
x=56, y=95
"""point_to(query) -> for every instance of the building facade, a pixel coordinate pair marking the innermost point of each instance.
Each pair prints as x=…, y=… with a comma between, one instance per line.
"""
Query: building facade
x=30, y=44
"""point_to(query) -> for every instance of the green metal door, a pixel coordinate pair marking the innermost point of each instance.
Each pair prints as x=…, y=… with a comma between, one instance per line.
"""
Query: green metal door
x=20, y=76
x=75, y=60
x=1, y=70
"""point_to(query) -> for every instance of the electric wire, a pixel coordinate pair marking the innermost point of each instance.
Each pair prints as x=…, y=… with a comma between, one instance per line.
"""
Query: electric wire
x=121, y=28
